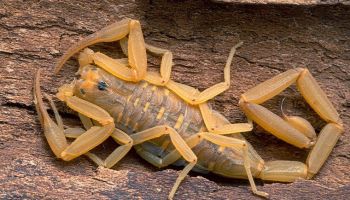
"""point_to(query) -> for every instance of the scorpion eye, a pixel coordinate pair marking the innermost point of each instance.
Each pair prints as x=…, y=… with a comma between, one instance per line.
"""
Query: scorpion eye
x=102, y=85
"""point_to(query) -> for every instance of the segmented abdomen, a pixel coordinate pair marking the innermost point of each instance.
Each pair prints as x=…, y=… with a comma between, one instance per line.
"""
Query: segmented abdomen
x=139, y=106
x=149, y=106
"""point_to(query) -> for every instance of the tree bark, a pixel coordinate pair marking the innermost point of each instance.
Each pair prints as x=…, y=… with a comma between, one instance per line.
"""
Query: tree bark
x=288, y=2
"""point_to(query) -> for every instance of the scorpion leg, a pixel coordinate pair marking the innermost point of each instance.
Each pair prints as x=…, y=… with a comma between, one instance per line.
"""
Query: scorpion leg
x=229, y=142
x=73, y=132
x=116, y=67
x=118, y=135
x=179, y=144
x=126, y=143
x=165, y=66
x=170, y=158
x=124, y=45
x=86, y=58
x=113, y=66
x=181, y=150
x=209, y=93
x=55, y=135
x=215, y=126
x=77, y=131
x=93, y=136
x=193, y=141
x=314, y=96
x=184, y=91
x=86, y=121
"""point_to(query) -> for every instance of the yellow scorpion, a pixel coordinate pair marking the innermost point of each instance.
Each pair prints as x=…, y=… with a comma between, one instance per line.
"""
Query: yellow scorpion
x=172, y=123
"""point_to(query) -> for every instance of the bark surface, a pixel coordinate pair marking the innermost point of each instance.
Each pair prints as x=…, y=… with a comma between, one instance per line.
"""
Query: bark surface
x=288, y=2
x=34, y=34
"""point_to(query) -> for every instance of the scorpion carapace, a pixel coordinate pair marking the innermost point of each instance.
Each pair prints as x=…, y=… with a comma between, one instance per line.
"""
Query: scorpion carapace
x=171, y=123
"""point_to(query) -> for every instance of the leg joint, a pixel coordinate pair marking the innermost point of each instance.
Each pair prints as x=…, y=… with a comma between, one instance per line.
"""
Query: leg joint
x=194, y=160
x=130, y=142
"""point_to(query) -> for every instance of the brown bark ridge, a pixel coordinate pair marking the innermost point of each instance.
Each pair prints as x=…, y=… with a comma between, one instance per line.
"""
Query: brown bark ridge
x=34, y=34
x=289, y=2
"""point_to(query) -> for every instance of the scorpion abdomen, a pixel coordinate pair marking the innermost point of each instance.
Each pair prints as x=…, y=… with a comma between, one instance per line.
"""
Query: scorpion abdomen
x=139, y=106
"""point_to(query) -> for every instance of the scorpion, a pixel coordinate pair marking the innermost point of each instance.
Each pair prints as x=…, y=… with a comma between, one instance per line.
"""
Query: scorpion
x=172, y=123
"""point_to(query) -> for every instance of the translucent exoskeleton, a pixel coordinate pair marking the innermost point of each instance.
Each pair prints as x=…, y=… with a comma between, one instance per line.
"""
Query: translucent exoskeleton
x=171, y=123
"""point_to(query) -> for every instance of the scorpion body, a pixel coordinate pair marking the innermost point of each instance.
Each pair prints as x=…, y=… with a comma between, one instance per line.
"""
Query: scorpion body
x=172, y=123
x=139, y=106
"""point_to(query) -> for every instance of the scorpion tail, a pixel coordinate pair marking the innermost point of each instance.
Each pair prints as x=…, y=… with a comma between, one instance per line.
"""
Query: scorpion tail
x=283, y=171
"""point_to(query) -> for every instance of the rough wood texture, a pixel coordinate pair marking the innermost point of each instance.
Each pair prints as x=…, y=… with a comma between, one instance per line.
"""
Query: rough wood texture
x=290, y=2
x=34, y=34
